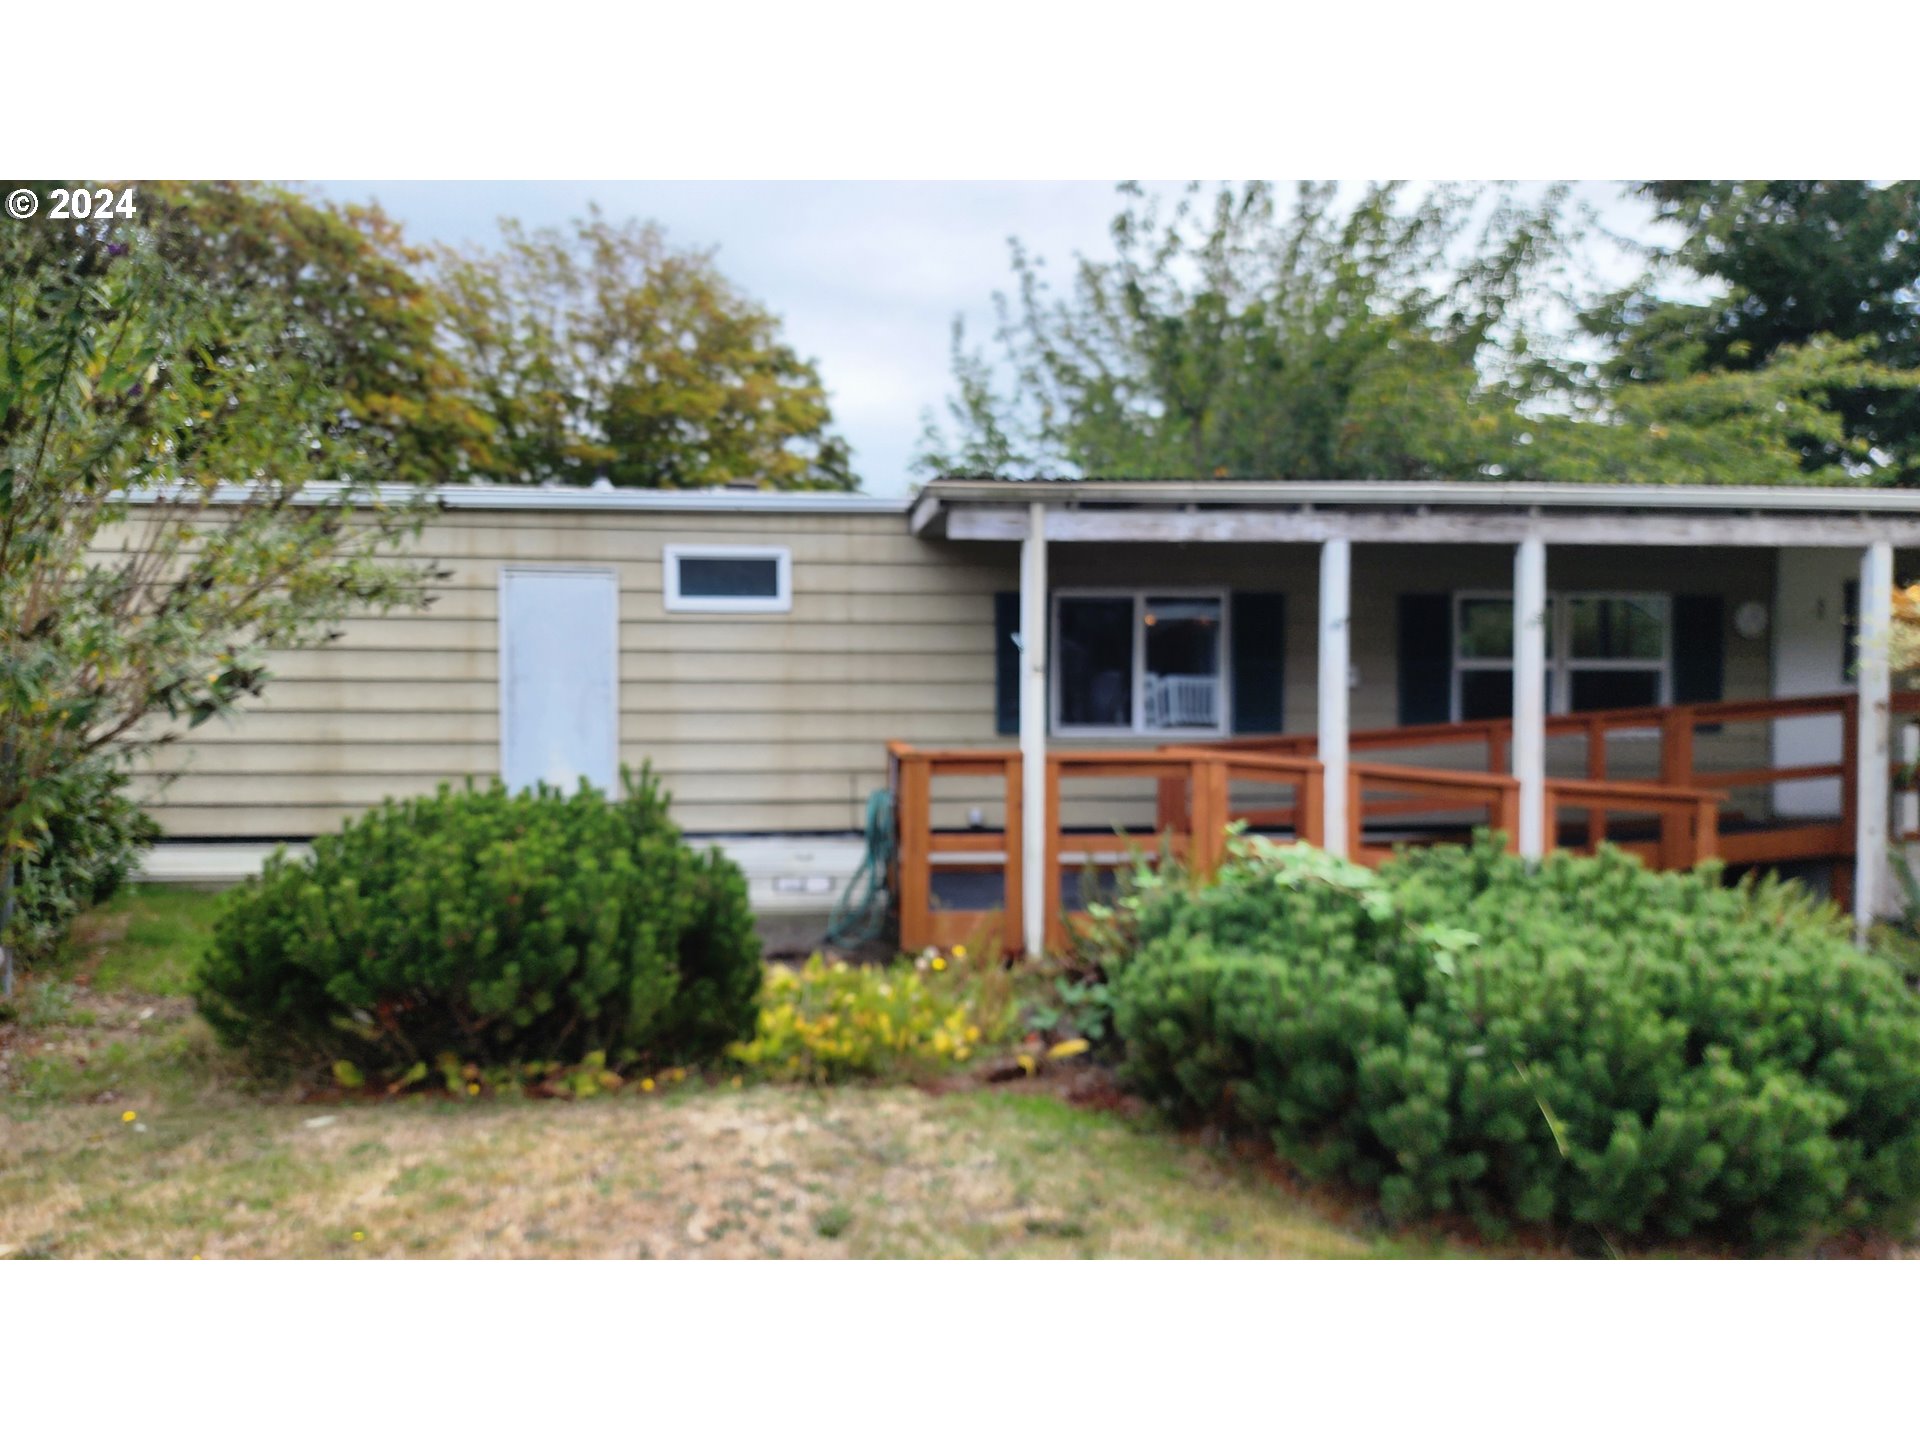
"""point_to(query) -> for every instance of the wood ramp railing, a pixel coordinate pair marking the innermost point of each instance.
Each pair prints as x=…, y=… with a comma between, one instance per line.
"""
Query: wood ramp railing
x=1673, y=820
x=1192, y=827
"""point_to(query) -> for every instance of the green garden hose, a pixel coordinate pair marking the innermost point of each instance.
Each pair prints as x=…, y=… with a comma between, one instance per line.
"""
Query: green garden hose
x=860, y=915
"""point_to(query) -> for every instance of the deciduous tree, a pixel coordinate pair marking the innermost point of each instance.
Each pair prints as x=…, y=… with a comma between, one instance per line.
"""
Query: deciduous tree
x=1395, y=339
x=1793, y=262
x=602, y=351
x=179, y=491
x=358, y=310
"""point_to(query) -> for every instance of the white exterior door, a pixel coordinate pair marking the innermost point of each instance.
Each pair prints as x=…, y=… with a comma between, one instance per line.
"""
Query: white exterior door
x=559, y=690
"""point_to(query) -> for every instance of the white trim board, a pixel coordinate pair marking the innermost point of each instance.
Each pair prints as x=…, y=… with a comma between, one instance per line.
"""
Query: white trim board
x=778, y=603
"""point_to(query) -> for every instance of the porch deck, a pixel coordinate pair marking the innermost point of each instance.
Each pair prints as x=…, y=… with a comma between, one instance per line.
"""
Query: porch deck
x=954, y=884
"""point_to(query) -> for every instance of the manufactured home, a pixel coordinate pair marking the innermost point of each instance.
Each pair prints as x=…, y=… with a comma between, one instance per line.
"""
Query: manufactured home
x=1691, y=671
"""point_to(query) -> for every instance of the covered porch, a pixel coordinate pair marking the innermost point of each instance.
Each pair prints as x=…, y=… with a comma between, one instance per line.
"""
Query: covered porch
x=1643, y=697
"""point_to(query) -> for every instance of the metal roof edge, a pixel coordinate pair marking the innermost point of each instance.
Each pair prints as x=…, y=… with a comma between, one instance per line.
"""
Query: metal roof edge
x=795, y=502
x=535, y=497
x=1493, y=493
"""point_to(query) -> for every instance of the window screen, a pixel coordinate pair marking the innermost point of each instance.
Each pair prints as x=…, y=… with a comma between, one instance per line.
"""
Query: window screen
x=729, y=577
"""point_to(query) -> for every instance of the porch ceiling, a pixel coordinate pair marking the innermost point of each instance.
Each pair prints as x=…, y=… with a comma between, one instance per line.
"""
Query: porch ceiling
x=1417, y=512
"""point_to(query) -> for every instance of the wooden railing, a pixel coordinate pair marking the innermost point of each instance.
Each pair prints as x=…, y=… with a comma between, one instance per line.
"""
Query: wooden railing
x=1490, y=800
x=1676, y=726
x=1194, y=803
x=1688, y=819
x=1676, y=729
x=969, y=851
x=1191, y=827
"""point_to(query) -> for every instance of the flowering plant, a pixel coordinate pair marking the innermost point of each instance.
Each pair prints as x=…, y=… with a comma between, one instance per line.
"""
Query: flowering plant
x=828, y=1020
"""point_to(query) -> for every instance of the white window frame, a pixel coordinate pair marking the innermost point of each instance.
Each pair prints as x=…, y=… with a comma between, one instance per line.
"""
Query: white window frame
x=778, y=603
x=1138, y=595
x=1561, y=663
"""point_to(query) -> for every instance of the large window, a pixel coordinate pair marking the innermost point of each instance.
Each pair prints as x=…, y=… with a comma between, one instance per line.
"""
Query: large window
x=1605, y=651
x=1139, y=662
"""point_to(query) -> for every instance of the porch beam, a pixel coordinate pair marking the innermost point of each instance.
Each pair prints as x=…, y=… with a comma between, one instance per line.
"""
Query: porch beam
x=1873, y=797
x=1034, y=849
x=1304, y=525
x=1530, y=693
x=1336, y=664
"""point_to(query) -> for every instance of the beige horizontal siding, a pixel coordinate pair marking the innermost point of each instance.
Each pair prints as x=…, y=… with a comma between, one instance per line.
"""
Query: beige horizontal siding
x=413, y=756
x=586, y=540
x=779, y=722
x=647, y=731
x=461, y=605
x=906, y=697
x=301, y=821
x=902, y=634
x=755, y=722
x=364, y=787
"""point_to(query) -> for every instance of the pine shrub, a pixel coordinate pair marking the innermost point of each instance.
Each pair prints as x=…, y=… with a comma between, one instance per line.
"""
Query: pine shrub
x=494, y=927
x=1579, y=1042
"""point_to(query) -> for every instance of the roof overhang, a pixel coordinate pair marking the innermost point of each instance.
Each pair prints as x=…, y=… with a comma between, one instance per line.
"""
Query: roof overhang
x=1415, y=512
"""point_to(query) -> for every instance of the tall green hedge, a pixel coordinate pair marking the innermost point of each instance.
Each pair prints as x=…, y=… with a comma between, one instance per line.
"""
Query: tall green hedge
x=1581, y=1042
x=492, y=926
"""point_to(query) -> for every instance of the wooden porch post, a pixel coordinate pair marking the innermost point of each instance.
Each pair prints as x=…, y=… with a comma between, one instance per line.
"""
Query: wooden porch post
x=1530, y=693
x=1336, y=571
x=914, y=853
x=1033, y=729
x=1873, y=751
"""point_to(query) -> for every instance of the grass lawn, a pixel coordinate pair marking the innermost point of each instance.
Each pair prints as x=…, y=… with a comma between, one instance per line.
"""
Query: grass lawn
x=206, y=1166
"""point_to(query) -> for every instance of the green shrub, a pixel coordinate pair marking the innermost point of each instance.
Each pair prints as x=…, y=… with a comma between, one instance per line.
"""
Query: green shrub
x=1584, y=1041
x=491, y=927
x=94, y=835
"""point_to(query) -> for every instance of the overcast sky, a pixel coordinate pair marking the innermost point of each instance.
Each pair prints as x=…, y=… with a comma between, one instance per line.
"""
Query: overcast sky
x=867, y=275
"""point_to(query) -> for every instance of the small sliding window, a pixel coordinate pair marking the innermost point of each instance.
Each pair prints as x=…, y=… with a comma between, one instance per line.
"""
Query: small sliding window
x=736, y=579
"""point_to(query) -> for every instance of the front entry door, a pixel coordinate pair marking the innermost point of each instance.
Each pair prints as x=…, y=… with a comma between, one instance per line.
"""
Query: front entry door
x=559, y=705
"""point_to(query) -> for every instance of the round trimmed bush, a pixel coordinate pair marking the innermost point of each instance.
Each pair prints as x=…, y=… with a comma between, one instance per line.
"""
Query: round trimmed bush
x=1582, y=1041
x=493, y=927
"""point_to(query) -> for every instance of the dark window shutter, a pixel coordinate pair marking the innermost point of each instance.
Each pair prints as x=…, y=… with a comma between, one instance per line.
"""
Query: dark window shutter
x=1259, y=662
x=1006, y=663
x=1699, y=648
x=1425, y=667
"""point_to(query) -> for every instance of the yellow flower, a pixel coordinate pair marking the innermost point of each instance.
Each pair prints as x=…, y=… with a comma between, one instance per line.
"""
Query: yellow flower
x=358, y=1236
x=959, y=952
x=939, y=962
x=647, y=1084
x=736, y=1082
x=127, y=1117
x=472, y=1089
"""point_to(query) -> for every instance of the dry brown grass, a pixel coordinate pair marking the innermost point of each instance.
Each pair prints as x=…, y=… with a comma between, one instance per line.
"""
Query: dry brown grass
x=761, y=1172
